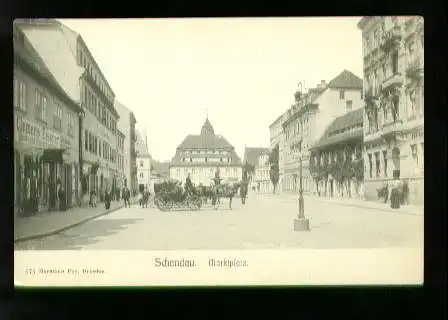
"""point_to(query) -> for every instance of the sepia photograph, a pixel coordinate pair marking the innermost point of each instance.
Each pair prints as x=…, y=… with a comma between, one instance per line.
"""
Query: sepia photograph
x=218, y=134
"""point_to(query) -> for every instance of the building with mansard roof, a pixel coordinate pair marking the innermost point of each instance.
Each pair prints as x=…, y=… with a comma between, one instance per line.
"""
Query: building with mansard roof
x=340, y=147
x=143, y=162
x=201, y=155
x=306, y=121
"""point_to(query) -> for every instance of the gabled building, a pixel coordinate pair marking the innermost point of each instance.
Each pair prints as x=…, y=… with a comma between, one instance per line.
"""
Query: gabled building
x=201, y=155
x=252, y=163
x=68, y=58
x=393, y=53
x=277, y=136
x=160, y=171
x=127, y=124
x=308, y=119
x=143, y=163
x=336, y=159
x=46, y=133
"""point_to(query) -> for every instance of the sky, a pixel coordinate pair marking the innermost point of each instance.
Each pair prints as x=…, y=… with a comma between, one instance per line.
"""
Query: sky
x=242, y=72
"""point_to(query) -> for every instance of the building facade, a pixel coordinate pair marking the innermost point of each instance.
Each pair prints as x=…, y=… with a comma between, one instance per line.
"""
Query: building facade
x=252, y=162
x=277, y=136
x=126, y=124
x=84, y=82
x=160, y=171
x=308, y=119
x=201, y=155
x=336, y=163
x=393, y=52
x=262, y=177
x=143, y=163
x=46, y=121
x=120, y=160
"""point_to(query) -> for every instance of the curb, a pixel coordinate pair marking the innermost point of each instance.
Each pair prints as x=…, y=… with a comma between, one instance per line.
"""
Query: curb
x=322, y=200
x=59, y=230
x=372, y=208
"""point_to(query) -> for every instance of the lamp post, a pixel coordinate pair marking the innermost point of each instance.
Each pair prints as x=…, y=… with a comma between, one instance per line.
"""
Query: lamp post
x=301, y=223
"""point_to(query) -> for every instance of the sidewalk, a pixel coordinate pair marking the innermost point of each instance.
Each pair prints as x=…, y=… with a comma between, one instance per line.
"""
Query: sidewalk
x=377, y=205
x=49, y=223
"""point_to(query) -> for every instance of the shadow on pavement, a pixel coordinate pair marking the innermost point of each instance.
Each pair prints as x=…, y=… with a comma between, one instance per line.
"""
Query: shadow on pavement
x=79, y=237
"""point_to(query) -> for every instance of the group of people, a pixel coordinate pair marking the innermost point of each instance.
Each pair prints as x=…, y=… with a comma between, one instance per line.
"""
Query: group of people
x=397, y=192
x=143, y=198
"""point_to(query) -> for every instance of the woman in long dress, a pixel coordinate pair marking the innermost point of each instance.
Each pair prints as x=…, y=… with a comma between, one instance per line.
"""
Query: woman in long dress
x=395, y=196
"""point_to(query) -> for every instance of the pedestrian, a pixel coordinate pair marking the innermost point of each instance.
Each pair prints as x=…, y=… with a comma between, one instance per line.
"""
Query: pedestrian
x=405, y=193
x=107, y=199
x=146, y=197
x=140, y=199
x=126, y=196
x=395, y=197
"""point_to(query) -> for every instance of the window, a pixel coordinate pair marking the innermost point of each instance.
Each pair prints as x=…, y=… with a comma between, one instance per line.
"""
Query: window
x=70, y=125
x=395, y=62
x=193, y=171
x=377, y=164
x=57, y=118
x=342, y=94
x=141, y=174
x=376, y=37
x=178, y=172
x=19, y=94
x=370, y=165
x=349, y=105
x=86, y=140
x=384, y=69
x=100, y=148
x=395, y=108
x=41, y=106
x=235, y=171
x=414, y=152
x=141, y=164
x=385, y=162
x=410, y=47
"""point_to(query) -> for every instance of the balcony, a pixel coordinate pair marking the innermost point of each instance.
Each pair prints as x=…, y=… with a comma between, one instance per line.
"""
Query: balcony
x=394, y=80
x=414, y=71
x=370, y=95
x=391, y=128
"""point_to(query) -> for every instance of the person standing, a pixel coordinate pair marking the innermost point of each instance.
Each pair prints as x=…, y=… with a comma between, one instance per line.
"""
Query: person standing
x=126, y=196
x=188, y=184
x=395, y=197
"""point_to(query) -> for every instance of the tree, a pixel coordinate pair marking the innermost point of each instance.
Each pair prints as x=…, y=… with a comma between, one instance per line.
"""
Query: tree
x=274, y=172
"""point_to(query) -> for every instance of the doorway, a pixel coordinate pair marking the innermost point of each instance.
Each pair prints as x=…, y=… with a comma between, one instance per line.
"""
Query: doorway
x=331, y=188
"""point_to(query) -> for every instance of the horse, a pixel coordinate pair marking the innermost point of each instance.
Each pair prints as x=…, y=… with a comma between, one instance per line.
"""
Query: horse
x=224, y=191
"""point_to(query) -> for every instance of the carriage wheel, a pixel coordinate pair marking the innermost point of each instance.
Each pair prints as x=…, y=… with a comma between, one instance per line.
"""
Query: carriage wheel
x=169, y=205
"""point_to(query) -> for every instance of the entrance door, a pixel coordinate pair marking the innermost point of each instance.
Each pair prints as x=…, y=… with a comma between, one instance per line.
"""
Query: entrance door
x=331, y=188
x=68, y=185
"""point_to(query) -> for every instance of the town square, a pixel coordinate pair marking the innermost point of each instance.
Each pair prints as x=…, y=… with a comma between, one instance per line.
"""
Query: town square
x=219, y=134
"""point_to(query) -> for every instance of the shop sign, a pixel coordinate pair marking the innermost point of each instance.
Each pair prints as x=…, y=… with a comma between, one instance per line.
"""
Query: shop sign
x=34, y=134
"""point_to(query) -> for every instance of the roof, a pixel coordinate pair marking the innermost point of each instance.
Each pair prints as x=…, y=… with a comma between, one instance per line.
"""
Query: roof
x=346, y=121
x=346, y=80
x=251, y=154
x=29, y=55
x=140, y=146
x=162, y=168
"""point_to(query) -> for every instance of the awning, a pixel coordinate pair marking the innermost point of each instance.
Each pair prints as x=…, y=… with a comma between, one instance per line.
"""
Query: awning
x=53, y=155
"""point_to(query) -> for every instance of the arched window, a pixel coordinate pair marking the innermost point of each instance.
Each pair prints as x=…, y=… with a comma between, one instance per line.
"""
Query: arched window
x=141, y=163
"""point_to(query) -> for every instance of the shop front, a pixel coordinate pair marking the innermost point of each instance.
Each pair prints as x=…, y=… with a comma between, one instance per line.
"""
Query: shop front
x=41, y=165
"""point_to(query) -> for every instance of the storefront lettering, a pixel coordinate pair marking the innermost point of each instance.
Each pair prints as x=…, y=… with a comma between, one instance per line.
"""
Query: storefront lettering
x=33, y=134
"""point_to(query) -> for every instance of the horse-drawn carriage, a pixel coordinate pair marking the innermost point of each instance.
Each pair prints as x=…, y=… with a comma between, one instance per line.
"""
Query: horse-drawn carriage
x=169, y=195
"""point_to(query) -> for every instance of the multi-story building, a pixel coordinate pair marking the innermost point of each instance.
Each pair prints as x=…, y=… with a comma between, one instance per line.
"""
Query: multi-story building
x=277, y=136
x=336, y=159
x=200, y=156
x=251, y=162
x=68, y=58
x=393, y=50
x=46, y=120
x=120, y=159
x=308, y=119
x=143, y=163
x=262, y=177
x=126, y=124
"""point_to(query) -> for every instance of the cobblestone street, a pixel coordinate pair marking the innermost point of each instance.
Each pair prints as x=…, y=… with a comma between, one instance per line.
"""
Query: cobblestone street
x=265, y=222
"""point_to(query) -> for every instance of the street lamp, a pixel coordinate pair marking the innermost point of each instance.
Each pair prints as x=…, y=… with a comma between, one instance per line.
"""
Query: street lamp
x=301, y=223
